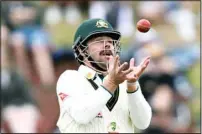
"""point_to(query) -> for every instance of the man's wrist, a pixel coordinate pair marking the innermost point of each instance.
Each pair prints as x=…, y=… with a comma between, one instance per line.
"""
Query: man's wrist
x=110, y=86
x=131, y=87
x=131, y=83
x=132, y=91
x=112, y=93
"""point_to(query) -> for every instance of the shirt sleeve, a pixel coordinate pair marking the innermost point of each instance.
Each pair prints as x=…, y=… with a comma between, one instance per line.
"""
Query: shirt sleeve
x=139, y=109
x=81, y=105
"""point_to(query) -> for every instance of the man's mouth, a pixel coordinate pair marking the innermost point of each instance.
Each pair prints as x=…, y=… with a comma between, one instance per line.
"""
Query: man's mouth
x=106, y=53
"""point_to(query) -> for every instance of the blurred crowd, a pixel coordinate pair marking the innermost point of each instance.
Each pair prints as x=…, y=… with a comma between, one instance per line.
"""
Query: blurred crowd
x=36, y=39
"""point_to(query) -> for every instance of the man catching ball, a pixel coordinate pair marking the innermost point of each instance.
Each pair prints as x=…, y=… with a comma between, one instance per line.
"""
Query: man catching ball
x=103, y=96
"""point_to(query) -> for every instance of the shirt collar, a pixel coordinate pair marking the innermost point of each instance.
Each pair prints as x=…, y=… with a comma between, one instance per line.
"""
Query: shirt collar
x=87, y=72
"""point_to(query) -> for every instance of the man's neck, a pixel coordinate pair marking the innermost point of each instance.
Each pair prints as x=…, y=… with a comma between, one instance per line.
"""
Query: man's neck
x=101, y=76
x=97, y=71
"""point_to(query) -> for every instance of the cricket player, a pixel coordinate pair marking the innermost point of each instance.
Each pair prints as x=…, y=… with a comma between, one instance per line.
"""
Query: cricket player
x=103, y=96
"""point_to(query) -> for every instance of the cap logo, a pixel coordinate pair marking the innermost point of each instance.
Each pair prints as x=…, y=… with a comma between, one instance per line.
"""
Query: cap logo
x=101, y=23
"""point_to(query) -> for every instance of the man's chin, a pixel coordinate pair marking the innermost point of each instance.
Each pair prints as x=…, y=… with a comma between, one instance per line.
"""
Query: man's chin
x=103, y=66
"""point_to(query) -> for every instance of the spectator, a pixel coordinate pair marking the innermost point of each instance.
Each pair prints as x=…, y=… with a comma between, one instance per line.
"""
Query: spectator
x=186, y=29
x=98, y=9
x=19, y=110
x=28, y=36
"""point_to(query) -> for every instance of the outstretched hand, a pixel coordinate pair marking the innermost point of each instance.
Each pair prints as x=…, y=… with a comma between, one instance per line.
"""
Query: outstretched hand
x=116, y=71
x=117, y=74
x=137, y=70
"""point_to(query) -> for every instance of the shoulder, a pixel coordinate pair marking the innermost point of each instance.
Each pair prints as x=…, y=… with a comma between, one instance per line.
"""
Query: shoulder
x=69, y=79
x=68, y=76
x=68, y=73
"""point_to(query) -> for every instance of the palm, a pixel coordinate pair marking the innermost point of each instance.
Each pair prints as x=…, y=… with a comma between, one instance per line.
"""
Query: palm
x=134, y=72
x=137, y=70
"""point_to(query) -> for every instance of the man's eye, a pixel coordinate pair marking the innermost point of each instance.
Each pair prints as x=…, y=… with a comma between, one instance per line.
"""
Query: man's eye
x=102, y=41
x=105, y=41
x=110, y=41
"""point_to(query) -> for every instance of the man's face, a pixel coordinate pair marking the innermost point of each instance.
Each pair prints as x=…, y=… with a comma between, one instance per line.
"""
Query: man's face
x=100, y=48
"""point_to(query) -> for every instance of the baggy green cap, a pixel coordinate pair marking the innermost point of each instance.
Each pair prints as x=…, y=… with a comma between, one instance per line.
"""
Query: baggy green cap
x=93, y=27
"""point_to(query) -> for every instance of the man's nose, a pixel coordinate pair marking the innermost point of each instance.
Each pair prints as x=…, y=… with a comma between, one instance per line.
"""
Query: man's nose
x=108, y=44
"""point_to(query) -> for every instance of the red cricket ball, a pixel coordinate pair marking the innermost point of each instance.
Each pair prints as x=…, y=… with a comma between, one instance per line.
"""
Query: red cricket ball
x=143, y=25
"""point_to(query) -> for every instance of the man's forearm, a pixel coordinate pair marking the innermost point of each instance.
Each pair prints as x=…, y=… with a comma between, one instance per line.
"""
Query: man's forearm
x=110, y=86
x=140, y=111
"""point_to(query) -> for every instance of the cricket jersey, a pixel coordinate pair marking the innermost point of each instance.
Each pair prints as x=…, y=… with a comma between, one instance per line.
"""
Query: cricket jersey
x=87, y=107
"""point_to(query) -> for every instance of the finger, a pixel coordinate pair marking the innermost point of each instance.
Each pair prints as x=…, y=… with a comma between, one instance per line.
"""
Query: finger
x=146, y=63
x=143, y=67
x=132, y=62
x=143, y=64
x=148, y=57
x=122, y=67
x=111, y=62
x=127, y=71
x=116, y=61
x=119, y=63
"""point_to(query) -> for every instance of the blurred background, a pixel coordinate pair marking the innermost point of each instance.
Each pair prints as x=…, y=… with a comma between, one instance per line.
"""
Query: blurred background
x=36, y=40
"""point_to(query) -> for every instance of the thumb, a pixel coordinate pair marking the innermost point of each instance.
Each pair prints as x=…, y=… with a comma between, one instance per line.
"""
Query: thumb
x=110, y=63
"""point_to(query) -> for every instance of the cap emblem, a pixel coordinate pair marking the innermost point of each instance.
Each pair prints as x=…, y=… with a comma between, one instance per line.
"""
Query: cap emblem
x=101, y=23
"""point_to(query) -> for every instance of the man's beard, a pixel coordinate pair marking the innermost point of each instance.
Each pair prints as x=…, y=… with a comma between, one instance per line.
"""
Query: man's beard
x=104, y=57
x=102, y=66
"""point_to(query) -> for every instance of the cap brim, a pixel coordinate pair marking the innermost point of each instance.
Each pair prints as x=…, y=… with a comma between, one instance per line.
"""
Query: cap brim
x=115, y=35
